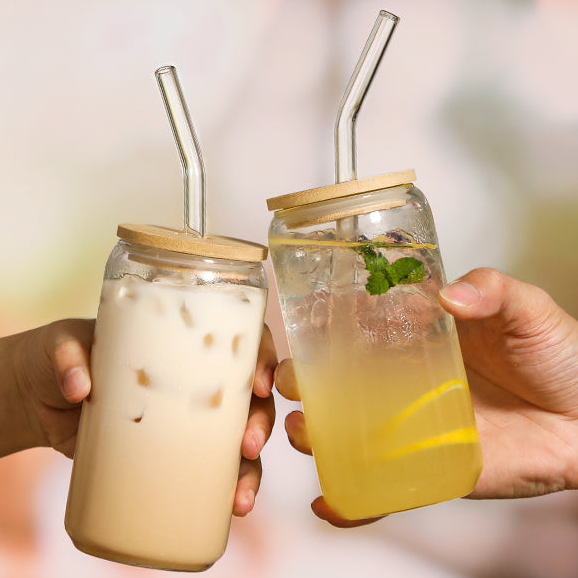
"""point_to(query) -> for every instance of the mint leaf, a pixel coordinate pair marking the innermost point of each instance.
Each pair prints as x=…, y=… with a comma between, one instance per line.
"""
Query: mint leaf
x=373, y=260
x=406, y=270
x=416, y=276
x=384, y=275
x=377, y=283
x=381, y=264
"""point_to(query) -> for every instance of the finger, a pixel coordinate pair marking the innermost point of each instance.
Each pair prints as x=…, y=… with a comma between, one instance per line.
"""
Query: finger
x=259, y=426
x=286, y=381
x=297, y=432
x=68, y=345
x=486, y=293
x=248, y=484
x=322, y=510
x=266, y=363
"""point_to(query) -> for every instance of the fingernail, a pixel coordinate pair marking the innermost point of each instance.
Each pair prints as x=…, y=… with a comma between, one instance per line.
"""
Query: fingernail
x=250, y=499
x=267, y=378
x=75, y=384
x=258, y=442
x=460, y=293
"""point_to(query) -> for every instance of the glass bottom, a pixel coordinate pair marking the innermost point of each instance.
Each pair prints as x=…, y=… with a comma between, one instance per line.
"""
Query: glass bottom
x=121, y=557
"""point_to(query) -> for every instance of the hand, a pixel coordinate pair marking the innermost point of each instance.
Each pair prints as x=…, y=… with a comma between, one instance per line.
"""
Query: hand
x=521, y=355
x=259, y=426
x=45, y=376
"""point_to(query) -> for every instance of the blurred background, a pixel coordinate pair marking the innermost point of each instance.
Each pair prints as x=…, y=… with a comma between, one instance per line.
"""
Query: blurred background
x=481, y=98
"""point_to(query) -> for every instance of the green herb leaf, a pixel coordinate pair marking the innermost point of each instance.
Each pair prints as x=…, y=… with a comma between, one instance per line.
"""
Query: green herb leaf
x=406, y=270
x=377, y=283
x=370, y=256
x=384, y=275
x=416, y=276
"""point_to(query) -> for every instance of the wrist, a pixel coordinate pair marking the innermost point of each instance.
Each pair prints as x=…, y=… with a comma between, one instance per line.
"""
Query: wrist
x=19, y=426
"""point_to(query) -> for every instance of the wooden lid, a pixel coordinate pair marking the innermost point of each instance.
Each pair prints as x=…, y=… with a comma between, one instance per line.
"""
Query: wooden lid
x=343, y=214
x=341, y=190
x=208, y=246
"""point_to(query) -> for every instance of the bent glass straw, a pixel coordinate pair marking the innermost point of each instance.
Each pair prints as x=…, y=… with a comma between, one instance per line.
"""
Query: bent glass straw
x=345, y=154
x=188, y=148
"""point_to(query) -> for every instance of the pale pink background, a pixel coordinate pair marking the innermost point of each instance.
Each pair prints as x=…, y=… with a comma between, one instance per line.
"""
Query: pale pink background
x=481, y=98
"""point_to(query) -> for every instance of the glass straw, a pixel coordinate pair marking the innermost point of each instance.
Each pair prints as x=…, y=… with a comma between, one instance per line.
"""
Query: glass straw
x=345, y=155
x=188, y=147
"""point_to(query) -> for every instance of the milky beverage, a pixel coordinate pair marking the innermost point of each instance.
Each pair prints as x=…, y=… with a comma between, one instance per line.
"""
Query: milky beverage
x=158, y=448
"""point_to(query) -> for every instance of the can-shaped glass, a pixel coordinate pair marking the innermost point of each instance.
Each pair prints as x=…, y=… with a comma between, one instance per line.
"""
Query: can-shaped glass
x=172, y=364
x=377, y=360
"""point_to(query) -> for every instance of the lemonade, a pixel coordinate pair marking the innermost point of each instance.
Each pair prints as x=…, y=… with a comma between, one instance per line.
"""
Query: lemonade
x=158, y=448
x=381, y=377
x=401, y=444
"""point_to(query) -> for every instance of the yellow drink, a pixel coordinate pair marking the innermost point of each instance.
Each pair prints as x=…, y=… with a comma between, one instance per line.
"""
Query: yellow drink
x=381, y=377
x=407, y=441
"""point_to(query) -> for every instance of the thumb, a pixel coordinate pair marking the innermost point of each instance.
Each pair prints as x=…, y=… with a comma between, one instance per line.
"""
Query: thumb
x=67, y=344
x=484, y=294
x=515, y=336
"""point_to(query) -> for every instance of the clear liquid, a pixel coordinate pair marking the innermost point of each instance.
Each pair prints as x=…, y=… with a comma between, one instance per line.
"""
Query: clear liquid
x=381, y=377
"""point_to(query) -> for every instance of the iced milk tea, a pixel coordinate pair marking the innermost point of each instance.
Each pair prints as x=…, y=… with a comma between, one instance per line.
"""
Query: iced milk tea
x=158, y=448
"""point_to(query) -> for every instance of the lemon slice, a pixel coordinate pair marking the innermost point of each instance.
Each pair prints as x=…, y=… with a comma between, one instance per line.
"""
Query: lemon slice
x=307, y=243
x=467, y=435
x=458, y=436
x=420, y=402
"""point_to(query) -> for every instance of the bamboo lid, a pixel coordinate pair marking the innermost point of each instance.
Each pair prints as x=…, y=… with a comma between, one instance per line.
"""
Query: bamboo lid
x=345, y=189
x=208, y=246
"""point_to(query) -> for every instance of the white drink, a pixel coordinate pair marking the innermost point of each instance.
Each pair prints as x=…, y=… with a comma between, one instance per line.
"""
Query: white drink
x=158, y=448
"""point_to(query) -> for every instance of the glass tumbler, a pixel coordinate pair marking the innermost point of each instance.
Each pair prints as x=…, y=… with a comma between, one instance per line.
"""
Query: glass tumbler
x=377, y=360
x=173, y=360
